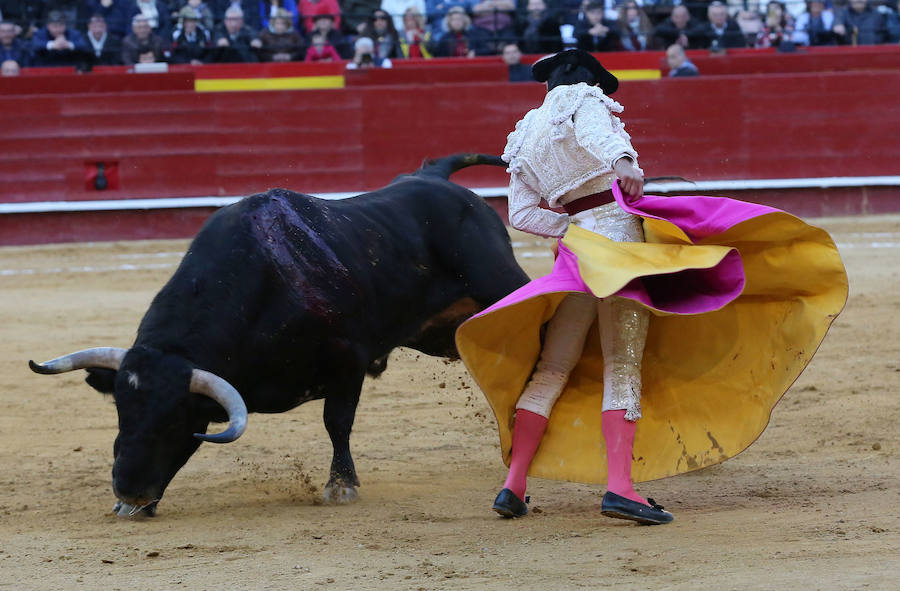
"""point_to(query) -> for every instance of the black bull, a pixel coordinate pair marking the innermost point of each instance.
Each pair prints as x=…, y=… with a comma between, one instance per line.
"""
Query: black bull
x=287, y=298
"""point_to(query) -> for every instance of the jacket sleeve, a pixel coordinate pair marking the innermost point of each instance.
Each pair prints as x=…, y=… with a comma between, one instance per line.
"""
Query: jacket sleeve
x=601, y=134
x=526, y=214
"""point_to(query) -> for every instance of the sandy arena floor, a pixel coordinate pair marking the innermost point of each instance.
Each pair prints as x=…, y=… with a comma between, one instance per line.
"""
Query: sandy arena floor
x=812, y=505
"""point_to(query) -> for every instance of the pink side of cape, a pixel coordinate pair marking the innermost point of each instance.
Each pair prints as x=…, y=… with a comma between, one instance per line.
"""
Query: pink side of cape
x=693, y=291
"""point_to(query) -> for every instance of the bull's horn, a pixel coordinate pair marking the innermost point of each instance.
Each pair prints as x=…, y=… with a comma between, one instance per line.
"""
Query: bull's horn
x=211, y=385
x=108, y=357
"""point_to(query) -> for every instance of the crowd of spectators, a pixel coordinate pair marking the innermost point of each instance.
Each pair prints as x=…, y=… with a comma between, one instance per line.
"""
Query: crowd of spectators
x=371, y=33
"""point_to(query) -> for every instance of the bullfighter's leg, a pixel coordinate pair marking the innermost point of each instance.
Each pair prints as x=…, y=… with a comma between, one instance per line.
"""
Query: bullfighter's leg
x=339, y=413
x=563, y=344
x=623, y=334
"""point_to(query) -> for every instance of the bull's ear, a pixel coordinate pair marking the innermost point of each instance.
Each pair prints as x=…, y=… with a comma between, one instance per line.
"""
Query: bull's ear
x=101, y=379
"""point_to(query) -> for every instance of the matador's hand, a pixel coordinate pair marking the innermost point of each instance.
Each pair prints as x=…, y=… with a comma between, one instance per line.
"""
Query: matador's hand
x=631, y=180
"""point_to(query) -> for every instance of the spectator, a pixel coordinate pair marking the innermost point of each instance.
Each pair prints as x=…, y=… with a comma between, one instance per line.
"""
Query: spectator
x=676, y=29
x=518, y=72
x=719, y=32
x=397, y=8
x=9, y=68
x=114, y=14
x=436, y=13
x=457, y=41
x=25, y=15
x=572, y=12
x=597, y=33
x=321, y=50
x=415, y=39
x=635, y=27
x=268, y=9
x=699, y=9
x=310, y=9
x=191, y=41
x=540, y=31
x=859, y=24
x=11, y=47
x=748, y=15
x=105, y=46
x=58, y=45
x=323, y=24
x=75, y=12
x=280, y=41
x=207, y=20
x=364, y=56
x=380, y=29
x=143, y=45
x=492, y=23
x=234, y=41
x=355, y=14
x=249, y=8
x=679, y=64
x=157, y=14
x=778, y=28
x=892, y=22
x=814, y=27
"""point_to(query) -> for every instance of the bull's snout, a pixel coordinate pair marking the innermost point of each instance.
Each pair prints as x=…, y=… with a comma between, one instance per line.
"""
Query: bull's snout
x=133, y=491
x=133, y=503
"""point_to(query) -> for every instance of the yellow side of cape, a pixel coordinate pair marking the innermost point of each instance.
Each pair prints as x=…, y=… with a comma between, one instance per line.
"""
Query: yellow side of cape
x=710, y=381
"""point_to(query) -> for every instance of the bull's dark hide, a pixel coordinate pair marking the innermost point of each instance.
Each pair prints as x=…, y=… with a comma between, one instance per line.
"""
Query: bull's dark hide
x=291, y=298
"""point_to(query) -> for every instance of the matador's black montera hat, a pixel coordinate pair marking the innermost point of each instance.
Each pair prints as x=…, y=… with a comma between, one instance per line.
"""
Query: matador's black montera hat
x=562, y=66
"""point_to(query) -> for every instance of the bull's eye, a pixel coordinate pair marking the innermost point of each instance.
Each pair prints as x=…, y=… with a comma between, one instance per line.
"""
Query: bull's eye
x=133, y=380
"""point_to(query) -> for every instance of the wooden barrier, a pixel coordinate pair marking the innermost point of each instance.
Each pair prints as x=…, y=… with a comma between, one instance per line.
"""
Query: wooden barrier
x=177, y=142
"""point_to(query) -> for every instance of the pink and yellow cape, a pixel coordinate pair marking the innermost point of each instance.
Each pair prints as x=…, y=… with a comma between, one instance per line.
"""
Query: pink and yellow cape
x=741, y=296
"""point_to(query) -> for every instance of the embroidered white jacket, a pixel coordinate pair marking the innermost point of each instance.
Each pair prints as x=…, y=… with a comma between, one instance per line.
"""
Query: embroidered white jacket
x=563, y=150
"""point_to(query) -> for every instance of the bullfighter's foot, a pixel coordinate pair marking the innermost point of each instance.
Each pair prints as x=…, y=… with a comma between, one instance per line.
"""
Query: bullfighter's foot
x=508, y=504
x=623, y=508
x=340, y=494
x=123, y=509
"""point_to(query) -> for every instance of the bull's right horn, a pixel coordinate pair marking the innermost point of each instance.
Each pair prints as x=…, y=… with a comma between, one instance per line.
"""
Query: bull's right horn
x=108, y=357
x=210, y=385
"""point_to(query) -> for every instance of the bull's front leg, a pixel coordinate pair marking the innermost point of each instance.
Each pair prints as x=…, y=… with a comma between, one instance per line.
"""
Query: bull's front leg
x=340, y=411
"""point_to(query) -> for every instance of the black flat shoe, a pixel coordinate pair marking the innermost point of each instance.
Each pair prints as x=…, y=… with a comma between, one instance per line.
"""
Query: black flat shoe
x=508, y=504
x=622, y=508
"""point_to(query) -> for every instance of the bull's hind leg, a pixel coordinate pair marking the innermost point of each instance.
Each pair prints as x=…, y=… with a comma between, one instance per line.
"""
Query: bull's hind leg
x=340, y=411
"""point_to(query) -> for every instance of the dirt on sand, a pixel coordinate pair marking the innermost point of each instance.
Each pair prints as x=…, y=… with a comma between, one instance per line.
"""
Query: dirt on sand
x=811, y=505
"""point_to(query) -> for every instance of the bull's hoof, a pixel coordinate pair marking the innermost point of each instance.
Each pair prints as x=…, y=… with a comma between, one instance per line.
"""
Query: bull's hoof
x=340, y=494
x=122, y=509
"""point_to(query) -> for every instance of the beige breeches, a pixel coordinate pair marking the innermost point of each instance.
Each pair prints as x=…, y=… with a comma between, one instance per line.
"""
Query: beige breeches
x=623, y=332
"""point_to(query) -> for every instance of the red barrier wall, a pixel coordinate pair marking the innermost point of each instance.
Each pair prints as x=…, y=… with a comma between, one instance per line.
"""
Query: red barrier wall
x=182, y=143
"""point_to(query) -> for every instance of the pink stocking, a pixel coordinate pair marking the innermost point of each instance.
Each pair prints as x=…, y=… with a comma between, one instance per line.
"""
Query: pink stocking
x=619, y=435
x=527, y=433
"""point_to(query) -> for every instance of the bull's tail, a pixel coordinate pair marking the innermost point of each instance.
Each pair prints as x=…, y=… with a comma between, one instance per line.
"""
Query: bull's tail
x=444, y=167
x=666, y=179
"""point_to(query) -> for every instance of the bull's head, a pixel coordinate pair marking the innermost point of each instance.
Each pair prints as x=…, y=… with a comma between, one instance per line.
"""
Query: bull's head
x=161, y=420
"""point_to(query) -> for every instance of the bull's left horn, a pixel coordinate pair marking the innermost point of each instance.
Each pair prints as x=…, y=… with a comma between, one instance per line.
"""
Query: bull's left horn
x=108, y=357
x=211, y=385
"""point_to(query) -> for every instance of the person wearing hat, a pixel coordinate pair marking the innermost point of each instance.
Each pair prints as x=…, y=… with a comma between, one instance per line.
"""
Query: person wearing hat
x=579, y=116
x=323, y=24
x=207, y=21
x=57, y=44
x=191, y=41
x=310, y=9
x=697, y=306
